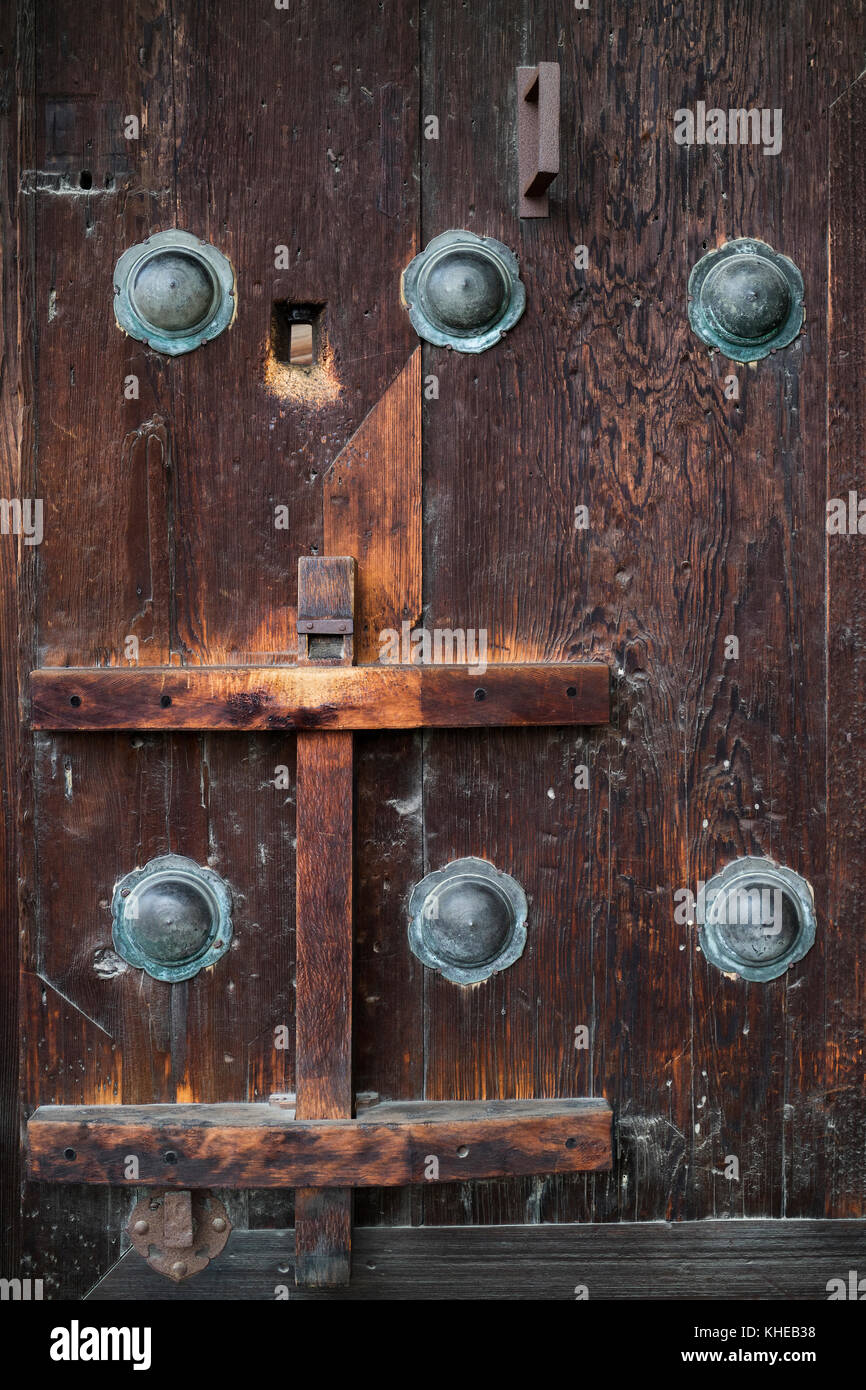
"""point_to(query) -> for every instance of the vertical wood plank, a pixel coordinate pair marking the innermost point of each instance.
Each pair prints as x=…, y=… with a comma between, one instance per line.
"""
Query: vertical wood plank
x=846, y=764
x=104, y=400
x=324, y=926
x=16, y=441
x=324, y=933
x=312, y=147
x=100, y=575
x=323, y=1029
x=372, y=502
x=372, y=510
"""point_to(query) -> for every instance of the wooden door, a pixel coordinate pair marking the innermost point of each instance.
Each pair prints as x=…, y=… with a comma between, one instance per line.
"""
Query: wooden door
x=598, y=487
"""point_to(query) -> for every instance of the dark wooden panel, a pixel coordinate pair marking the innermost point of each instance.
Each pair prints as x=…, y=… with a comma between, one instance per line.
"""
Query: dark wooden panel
x=227, y=1034
x=290, y=697
x=235, y=1030
x=706, y=520
x=846, y=766
x=756, y=1261
x=266, y=1146
x=160, y=511
x=105, y=448
x=389, y=981
x=16, y=444
x=101, y=571
x=310, y=145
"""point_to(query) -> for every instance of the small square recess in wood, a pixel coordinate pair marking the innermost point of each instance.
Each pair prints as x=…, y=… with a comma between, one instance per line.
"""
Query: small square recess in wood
x=297, y=333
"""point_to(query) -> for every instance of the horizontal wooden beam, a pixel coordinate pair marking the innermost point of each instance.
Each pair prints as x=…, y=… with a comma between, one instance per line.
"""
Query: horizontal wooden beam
x=303, y=697
x=261, y=1145
x=633, y=1261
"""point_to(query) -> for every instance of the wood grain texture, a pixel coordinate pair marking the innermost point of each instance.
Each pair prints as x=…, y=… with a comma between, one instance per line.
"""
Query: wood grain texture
x=188, y=558
x=326, y=600
x=388, y=1145
x=756, y=1261
x=312, y=147
x=324, y=936
x=323, y=1028
x=372, y=506
x=389, y=981
x=846, y=767
x=323, y=974
x=364, y=697
x=16, y=438
x=105, y=456
x=706, y=521
x=161, y=509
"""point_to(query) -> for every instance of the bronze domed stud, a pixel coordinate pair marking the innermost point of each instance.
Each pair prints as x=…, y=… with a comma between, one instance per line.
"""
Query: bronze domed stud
x=171, y=918
x=467, y=920
x=746, y=299
x=463, y=291
x=173, y=292
x=758, y=919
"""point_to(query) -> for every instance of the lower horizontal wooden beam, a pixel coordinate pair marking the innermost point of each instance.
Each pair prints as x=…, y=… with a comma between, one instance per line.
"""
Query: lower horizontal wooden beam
x=309, y=697
x=748, y=1260
x=259, y=1145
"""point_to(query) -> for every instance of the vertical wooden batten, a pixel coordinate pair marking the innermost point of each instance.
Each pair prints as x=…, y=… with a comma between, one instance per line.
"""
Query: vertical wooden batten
x=324, y=924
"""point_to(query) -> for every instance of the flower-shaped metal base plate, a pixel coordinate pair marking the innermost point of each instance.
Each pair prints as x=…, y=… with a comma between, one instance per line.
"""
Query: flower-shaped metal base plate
x=463, y=291
x=468, y=921
x=179, y=1232
x=759, y=919
x=171, y=918
x=173, y=292
x=746, y=299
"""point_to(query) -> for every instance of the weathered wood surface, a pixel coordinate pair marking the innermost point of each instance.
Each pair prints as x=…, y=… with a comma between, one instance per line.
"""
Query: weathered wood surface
x=845, y=1080
x=754, y=1261
x=323, y=986
x=17, y=118
x=303, y=697
x=324, y=936
x=372, y=510
x=388, y=1145
x=706, y=520
x=160, y=510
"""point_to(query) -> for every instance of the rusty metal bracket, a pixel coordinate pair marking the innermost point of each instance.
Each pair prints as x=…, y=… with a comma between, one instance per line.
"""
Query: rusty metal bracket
x=537, y=136
x=328, y=626
x=179, y=1232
